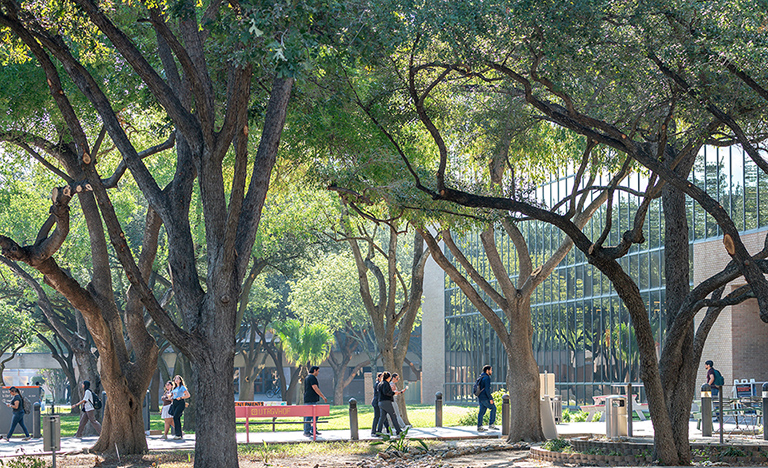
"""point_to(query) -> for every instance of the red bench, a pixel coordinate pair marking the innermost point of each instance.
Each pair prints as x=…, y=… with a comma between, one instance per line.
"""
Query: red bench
x=294, y=411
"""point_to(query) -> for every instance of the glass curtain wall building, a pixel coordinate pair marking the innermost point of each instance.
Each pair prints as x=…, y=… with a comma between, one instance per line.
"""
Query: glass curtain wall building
x=582, y=331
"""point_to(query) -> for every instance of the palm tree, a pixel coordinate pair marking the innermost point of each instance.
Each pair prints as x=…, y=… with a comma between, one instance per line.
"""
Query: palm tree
x=303, y=344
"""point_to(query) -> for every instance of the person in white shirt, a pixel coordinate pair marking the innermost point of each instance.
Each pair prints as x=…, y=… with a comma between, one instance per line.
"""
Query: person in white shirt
x=87, y=412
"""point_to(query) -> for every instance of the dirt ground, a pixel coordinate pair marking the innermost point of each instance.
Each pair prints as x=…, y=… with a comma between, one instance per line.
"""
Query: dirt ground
x=492, y=459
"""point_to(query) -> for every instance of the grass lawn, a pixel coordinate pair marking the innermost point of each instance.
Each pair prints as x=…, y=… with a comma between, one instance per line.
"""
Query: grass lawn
x=419, y=415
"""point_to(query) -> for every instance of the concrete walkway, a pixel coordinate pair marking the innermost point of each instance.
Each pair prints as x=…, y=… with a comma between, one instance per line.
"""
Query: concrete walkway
x=641, y=430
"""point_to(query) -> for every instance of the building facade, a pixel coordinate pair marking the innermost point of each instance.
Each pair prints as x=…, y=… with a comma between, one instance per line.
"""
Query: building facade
x=582, y=331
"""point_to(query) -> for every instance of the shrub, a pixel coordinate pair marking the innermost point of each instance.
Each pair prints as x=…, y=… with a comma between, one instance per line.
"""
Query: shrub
x=578, y=416
x=556, y=445
x=470, y=419
x=24, y=461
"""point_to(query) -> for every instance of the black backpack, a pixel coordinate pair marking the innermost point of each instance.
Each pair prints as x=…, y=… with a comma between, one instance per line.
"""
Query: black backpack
x=96, y=402
x=25, y=405
x=477, y=389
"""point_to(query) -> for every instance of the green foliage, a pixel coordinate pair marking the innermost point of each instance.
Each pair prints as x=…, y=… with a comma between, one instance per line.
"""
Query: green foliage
x=304, y=344
x=24, y=461
x=264, y=453
x=329, y=293
x=557, y=445
x=580, y=416
x=399, y=443
x=470, y=419
x=732, y=452
x=16, y=327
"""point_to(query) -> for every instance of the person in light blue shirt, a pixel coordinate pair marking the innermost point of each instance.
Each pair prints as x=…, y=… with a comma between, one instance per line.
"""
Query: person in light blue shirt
x=179, y=394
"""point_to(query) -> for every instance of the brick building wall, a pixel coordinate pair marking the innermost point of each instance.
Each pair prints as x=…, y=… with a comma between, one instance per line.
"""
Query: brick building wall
x=738, y=342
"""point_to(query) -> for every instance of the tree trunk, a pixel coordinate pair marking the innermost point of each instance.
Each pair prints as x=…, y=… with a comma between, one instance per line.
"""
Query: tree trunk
x=154, y=392
x=649, y=368
x=246, y=387
x=293, y=393
x=216, y=443
x=522, y=375
x=122, y=429
x=339, y=384
x=677, y=366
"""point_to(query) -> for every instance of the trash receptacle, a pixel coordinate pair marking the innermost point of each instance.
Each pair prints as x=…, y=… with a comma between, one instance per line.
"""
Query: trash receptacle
x=51, y=433
x=557, y=409
x=615, y=416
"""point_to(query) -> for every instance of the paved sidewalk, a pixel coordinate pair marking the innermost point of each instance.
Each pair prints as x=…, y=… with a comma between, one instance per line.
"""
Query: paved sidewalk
x=641, y=430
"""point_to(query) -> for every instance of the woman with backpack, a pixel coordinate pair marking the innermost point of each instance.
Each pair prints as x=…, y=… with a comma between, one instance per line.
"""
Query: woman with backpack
x=179, y=394
x=88, y=412
x=17, y=405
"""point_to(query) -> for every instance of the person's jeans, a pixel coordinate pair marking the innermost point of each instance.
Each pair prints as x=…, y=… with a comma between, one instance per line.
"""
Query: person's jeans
x=387, y=409
x=400, y=420
x=485, y=405
x=308, y=419
x=18, y=418
x=178, y=409
x=376, y=416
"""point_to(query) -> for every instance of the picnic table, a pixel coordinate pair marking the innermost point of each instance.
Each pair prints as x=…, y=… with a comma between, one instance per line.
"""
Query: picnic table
x=599, y=406
x=750, y=410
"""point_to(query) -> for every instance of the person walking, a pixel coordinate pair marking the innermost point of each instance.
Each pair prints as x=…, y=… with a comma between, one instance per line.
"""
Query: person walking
x=375, y=404
x=17, y=406
x=312, y=395
x=386, y=398
x=485, y=400
x=714, y=378
x=167, y=399
x=179, y=394
x=87, y=412
x=393, y=383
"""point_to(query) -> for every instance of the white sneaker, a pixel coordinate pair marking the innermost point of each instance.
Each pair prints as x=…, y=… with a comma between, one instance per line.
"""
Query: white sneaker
x=481, y=429
x=492, y=427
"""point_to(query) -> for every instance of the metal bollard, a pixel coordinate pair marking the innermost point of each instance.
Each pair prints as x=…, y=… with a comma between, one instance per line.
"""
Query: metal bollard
x=706, y=410
x=721, y=416
x=765, y=407
x=629, y=409
x=100, y=413
x=354, y=430
x=505, y=415
x=36, y=420
x=439, y=409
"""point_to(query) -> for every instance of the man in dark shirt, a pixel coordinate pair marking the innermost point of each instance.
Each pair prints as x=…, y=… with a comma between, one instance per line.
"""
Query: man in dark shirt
x=485, y=400
x=709, y=366
x=312, y=395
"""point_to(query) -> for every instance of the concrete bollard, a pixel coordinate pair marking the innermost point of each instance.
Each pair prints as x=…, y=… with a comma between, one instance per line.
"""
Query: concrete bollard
x=706, y=410
x=36, y=420
x=354, y=430
x=505, y=415
x=765, y=407
x=439, y=409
